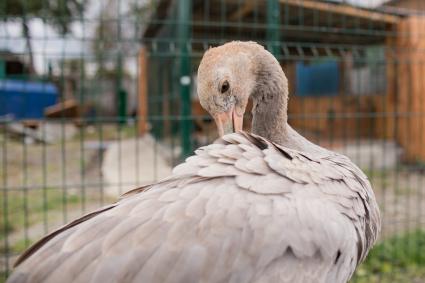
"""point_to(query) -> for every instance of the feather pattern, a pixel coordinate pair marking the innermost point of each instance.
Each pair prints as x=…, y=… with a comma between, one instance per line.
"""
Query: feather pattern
x=243, y=209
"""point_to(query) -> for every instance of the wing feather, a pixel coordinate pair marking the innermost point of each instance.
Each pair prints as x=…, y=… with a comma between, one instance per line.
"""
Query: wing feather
x=241, y=210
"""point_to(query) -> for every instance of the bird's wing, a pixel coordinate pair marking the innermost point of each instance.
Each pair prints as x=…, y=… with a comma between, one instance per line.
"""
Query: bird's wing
x=266, y=168
x=241, y=210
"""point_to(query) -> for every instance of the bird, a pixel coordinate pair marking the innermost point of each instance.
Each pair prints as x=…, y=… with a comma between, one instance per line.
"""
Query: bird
x=265, y=206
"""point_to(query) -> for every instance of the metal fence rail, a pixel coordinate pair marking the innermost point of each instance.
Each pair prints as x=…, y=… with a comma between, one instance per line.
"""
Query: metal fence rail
x=123, y=77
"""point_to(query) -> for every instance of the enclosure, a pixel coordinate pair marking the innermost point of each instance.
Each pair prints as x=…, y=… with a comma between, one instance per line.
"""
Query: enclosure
x=125, y=108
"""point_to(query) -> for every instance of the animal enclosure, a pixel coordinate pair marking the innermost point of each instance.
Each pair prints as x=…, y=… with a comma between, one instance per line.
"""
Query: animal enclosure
x=126, y=112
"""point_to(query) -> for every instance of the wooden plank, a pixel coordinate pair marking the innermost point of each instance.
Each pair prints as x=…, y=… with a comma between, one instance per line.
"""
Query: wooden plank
x=409, y=102
x=315, y=115
x=343, y=10
x=142, y=112
x=68, y=108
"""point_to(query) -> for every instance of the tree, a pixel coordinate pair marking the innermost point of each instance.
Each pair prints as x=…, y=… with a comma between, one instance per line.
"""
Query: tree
x=105, y=40
x=117, y=32
x=58, y=13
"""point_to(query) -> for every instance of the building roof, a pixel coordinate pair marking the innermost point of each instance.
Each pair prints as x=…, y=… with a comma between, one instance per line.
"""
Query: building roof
x=301, y=21
x=396, y=7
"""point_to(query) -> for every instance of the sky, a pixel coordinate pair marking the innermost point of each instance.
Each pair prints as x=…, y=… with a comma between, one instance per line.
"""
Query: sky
x=364, y=3
x=48, y=46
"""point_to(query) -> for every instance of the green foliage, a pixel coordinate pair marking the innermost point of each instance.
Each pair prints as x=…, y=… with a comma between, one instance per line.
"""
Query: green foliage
x=36, y=203
x=58, y=13
x=397, y=259
x=112, y=39
x=401, y=251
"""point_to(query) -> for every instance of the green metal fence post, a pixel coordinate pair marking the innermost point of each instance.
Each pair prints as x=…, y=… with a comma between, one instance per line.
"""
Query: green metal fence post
x=273, y=23
x=120, y=92
x=122, y=105
x=184, y=17
x=2, y=69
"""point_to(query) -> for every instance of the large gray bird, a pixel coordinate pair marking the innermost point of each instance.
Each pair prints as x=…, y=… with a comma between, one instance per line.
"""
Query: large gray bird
x=263, y=207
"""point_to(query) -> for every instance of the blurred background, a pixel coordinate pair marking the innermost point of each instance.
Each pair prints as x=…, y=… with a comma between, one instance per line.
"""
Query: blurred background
x=98, y=97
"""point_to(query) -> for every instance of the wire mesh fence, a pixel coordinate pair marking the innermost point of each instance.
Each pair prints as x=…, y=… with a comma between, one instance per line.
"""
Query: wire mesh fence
x=98, y=97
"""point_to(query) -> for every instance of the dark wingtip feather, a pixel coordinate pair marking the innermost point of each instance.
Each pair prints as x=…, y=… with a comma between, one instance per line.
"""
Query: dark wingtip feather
x=135, y=191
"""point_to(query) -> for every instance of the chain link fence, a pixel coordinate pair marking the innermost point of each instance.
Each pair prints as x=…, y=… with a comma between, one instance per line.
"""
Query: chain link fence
x=98, y=97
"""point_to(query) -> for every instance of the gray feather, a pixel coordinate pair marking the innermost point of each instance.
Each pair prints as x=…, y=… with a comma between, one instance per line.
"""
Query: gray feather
x=240, y=210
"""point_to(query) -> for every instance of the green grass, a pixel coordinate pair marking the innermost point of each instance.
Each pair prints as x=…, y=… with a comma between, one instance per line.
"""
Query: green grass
x=376, y=173
x=36, y=202
x=398, y=259
x=39, y=204
x=20, y=245
x=25, y=209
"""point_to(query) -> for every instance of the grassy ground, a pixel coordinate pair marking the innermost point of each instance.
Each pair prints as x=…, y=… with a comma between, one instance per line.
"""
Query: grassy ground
x=400, y=258
x=33, y=213
x=44, y=208
x=24, y=208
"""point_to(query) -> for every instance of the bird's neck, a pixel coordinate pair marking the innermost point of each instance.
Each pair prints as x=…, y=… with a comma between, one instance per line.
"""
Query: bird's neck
x=270, y=99
x=270, y=105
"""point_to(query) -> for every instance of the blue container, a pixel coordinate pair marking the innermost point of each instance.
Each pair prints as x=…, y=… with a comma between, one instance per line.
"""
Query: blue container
x=318, y=79
x=26, y=100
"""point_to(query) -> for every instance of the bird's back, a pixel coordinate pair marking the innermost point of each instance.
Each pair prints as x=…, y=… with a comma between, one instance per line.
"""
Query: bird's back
x=240, y=210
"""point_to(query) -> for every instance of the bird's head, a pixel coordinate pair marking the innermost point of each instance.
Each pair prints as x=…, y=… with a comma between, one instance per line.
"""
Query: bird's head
x=226, y=79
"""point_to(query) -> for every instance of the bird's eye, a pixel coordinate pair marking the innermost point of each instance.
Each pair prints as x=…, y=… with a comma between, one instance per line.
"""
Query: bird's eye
x=225, y=87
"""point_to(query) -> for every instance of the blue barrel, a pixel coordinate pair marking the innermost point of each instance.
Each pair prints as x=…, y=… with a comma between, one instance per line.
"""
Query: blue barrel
x=26, y=100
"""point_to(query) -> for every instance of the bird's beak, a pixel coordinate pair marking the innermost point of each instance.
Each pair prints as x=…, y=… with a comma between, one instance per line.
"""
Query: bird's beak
x=228, y=122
